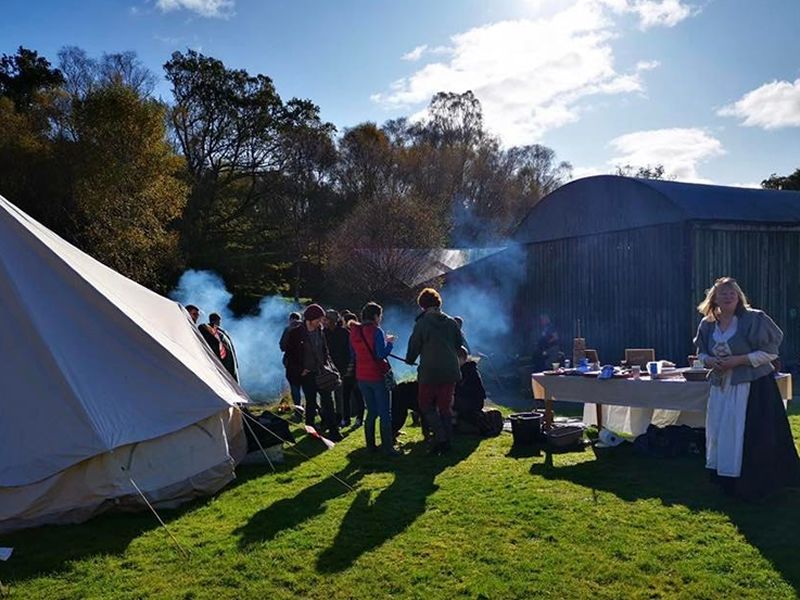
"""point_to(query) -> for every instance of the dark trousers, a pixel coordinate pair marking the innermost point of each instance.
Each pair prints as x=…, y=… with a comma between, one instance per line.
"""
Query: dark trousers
x=327, y=412
x=344, y=395
x=357, y=403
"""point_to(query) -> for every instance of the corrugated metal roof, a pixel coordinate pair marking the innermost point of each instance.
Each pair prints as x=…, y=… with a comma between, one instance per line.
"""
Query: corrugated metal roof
x=415, y=266
x=613, y=203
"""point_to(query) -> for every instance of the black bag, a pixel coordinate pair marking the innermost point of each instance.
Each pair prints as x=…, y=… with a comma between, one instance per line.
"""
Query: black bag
x=490, y=422
x=327, y=378
x=388, y=377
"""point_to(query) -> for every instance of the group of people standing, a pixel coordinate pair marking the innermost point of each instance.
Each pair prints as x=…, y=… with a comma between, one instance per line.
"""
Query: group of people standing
x=343, y=361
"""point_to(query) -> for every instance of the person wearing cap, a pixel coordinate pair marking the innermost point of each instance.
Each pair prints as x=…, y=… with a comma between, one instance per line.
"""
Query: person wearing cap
x=338, y=339
x=306, y=352
x=436, y=340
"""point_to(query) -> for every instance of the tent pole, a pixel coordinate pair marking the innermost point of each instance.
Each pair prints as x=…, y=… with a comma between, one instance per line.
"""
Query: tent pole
x=255, y=437
x=293, y=445
x=153, y=510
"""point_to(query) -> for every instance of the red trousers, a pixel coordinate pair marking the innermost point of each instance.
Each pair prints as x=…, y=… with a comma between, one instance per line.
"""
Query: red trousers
x=440, y=396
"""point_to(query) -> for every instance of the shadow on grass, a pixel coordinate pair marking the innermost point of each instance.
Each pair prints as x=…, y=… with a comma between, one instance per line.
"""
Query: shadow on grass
x=53, y=547
x=370, y=521
x=772, y=527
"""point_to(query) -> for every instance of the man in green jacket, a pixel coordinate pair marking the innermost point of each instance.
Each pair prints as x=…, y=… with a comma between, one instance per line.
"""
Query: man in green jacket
x=436, y=340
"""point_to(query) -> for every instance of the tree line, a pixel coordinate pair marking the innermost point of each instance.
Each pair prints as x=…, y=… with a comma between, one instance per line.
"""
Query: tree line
x=226, y=175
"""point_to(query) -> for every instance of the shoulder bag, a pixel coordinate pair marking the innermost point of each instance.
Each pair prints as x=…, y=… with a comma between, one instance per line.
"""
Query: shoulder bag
x=388, y=376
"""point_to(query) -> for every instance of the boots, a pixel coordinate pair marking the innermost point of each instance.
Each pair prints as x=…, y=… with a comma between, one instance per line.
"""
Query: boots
x=433, y=423
x=369, y=434
x=447, y=426
x=387, y=438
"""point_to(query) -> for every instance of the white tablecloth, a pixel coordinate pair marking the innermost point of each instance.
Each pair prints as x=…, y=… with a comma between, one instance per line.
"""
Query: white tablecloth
x=629, y=405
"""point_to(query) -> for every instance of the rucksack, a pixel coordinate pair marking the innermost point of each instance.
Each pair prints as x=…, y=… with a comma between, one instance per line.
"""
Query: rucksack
x=490, y=421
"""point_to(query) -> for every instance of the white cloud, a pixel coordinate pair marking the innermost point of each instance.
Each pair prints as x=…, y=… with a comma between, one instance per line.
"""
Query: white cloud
x=664, y=13
x=679, y=150
x=204, y=8
x=581, y=172
x=647, y=65
x=415, y=54
x=772, y=106
x=750, y=184
x=531, y=75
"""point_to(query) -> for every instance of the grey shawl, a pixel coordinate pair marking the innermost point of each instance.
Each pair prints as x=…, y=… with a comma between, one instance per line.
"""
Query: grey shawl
x=754, y=331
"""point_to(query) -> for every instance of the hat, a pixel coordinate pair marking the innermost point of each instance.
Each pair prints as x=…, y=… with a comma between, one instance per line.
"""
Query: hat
x=332, y=315
x=313, y=312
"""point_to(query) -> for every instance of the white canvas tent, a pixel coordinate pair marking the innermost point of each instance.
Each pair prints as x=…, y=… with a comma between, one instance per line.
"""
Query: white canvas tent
x=103, y=380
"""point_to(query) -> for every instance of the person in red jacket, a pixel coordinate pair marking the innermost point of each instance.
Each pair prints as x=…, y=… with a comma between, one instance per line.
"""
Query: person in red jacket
x=371, y=346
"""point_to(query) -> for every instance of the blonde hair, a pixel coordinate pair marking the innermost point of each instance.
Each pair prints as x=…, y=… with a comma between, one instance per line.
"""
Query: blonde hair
x=709, y=307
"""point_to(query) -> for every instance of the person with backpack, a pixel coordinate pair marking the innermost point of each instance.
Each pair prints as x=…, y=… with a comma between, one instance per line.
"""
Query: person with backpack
x=371, y=346
x=436, y=340
x=470, y=393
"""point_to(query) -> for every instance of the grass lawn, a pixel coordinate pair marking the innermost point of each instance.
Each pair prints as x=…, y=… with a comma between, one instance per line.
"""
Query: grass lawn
x=479, y=523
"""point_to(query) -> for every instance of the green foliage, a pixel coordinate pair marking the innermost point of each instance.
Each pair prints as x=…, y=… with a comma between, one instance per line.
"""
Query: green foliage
x=24, y=75
x=127, y=188
x=263, y=193
x=483, y=522
x=777, y=182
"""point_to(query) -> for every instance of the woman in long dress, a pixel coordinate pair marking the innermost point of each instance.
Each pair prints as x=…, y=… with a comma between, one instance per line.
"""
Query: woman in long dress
x=749, y=445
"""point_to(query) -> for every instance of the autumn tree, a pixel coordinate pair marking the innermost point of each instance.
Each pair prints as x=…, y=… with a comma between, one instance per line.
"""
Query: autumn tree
x=127, y=185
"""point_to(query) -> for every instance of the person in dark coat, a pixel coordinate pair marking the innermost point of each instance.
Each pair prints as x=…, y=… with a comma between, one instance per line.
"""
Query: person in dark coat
x=349, y=383
x=220, y=343
x=338, y=338
x=435, y=340
x=306, y=352
x=470, y=393
x=295, y=320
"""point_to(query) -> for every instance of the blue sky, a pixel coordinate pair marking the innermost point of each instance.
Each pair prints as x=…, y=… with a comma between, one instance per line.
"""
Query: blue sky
x=709, y=88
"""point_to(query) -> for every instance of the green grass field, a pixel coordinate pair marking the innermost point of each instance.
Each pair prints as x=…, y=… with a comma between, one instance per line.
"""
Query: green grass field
x=480, y=523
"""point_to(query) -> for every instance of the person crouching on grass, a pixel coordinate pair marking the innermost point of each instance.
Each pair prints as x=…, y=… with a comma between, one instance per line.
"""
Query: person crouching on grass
x=469, y=395
x=436, y=340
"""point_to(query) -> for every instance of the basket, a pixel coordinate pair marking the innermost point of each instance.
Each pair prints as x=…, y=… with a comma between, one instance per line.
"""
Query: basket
x=564, y=436
x=526, y=428
x=700, y=375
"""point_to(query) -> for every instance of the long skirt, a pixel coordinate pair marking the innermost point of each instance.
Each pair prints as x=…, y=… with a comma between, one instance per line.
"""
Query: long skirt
x=769, y=456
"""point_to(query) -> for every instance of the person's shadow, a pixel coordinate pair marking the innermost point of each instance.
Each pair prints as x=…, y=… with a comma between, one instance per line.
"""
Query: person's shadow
x=370, y=521
x=772, y=527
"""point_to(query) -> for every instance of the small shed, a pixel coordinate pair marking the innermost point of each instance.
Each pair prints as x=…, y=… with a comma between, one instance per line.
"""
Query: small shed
x=632, y=258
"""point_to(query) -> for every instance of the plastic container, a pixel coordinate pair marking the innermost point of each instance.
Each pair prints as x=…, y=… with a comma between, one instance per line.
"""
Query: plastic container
x=564, y=436
x=526, y=428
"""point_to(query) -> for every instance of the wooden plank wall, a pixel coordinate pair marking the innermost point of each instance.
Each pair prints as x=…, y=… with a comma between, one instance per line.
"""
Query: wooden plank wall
x=766, y=263
x=628, y=288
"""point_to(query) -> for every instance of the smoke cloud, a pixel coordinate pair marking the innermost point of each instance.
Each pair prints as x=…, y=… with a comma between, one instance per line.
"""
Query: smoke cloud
x=256, y=337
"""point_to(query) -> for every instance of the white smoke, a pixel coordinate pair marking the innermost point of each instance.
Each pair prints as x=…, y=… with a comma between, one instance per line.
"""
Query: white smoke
x=255, y=337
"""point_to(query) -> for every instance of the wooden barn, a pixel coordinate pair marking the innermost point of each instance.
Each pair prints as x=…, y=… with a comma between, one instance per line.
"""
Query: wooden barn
x=632, y=258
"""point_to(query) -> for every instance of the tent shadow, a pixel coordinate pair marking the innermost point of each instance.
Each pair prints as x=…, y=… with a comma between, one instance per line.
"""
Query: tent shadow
x=771, y=527
x=369, y=522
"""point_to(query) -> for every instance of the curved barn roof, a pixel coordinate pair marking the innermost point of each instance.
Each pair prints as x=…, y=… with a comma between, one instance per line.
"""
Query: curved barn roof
x=613, y=203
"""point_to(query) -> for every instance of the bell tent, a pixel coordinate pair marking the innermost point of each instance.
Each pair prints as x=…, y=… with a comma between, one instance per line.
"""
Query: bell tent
x=106, y=386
